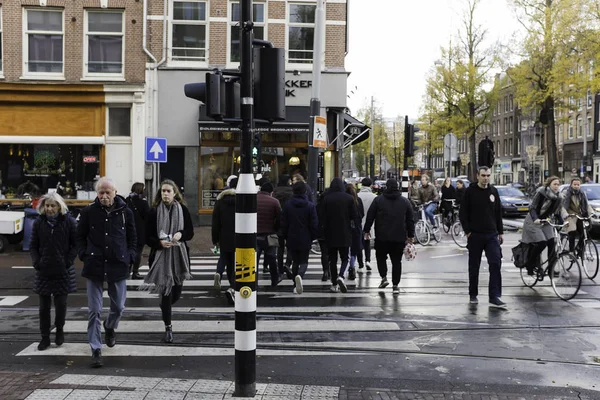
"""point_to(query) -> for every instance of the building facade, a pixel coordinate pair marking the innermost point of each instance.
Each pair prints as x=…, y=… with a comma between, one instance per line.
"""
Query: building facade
x=71, y=95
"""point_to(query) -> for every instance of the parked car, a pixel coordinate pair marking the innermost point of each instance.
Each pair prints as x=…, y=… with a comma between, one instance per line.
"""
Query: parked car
x=514, y=202
x=519, y=186
x=592, y=191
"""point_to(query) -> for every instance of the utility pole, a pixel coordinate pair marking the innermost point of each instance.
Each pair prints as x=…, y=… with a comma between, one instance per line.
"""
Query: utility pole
x=372, y=155
x=395, y=154
x=245, y=227
x=315, y=102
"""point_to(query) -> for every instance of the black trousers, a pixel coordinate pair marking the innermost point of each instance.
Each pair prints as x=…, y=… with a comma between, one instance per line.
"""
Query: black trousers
x=367, y=247
x=60, y=308
x=573, y=235
x=535, y=252
x=324, y=255
x=299, y=262
x=167, y=302
x=395, y=250
x=281, y=252
x=333, y=257
x=137, y=261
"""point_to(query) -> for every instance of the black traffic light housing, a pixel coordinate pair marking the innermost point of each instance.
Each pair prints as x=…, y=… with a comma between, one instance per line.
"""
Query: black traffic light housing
x=221, y=96
x=409, y=139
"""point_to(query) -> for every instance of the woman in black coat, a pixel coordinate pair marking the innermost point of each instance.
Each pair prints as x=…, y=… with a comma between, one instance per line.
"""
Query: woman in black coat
x=53, y=250
x=140, y=208
x=356, y=246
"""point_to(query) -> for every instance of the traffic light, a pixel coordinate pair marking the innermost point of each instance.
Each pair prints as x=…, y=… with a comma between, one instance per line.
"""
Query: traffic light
x=269, y=83
x=409, y=139
x=221, y=96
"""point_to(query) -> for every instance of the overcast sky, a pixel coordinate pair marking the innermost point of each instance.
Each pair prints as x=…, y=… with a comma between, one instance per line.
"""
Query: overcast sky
x=394, y=43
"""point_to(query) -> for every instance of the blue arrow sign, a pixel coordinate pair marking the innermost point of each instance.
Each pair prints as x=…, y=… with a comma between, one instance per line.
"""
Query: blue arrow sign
x=156, y=150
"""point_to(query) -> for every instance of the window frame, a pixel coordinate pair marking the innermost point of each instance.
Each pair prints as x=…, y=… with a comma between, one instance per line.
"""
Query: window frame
x=288, y=25
x=25, y=47
x=579, y=127
x=231, y=23
x=102, y=75
x=570, y=129
x=206, y=23
x=590, y=126
x=119, y=139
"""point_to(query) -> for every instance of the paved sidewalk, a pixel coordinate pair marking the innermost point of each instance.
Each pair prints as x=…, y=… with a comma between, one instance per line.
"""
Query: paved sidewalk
x=56, y=386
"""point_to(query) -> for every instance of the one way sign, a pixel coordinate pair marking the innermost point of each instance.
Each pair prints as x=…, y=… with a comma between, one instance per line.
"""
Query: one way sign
x=156, y=150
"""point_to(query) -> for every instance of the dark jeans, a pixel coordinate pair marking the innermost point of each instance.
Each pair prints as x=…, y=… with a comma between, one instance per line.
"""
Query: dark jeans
x=227, y=261
x=536, y=249
x=262, y=246
x=137, y=261
x=395, y=250
x=367, y=247
x=478, y=243
x=324, y=255
x=167, y=302
x=281, y=252
x=333, y=256
x=60, y=308
x=299, y=262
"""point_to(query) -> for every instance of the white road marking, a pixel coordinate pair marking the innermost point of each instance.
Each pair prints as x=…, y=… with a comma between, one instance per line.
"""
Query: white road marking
x=448, y=255
x=11, y=300
x=262, y=310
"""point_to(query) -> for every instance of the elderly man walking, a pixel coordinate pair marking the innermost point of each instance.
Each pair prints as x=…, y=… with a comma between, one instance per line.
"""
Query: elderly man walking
x=107, y=243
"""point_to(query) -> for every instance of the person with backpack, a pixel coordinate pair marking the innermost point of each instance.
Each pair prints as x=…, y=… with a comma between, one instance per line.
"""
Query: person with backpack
x=138, y=204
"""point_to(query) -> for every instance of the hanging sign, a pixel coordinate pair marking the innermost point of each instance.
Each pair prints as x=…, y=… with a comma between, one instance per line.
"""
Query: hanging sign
x=320, y=133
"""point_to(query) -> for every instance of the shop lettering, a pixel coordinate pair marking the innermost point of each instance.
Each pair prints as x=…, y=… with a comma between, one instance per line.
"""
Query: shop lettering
x=292, y=85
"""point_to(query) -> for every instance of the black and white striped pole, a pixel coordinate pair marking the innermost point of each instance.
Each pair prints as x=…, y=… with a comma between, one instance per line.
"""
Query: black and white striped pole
x=245, y=226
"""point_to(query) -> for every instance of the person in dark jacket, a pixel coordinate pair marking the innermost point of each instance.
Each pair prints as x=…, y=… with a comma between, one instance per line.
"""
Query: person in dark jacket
x=53, y=250
x=448, y=194
x=299, y=226
x=139, y=205
x=321, y=237
x=460, y=191
x=394, y=226
x=168, y=230
x=283, y=192
x=357, y=235
x=223, y=236
x=481, y=218
x=106, y=243
x=309, y=193
x=268, y=219
x=339, y=214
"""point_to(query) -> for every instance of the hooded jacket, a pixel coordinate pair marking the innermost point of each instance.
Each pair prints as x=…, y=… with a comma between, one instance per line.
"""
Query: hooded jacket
x=367, y=196
x=223, y=221
x=339, y=211
x=299, y=222
x=393, y=217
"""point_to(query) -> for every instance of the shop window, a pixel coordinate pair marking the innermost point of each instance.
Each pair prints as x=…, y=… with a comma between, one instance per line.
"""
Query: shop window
x=258, y=13
x=103, y=45
x=43, y=41
x=301, y=32
x=189, y=31
x=66, y=168
x=119, y=121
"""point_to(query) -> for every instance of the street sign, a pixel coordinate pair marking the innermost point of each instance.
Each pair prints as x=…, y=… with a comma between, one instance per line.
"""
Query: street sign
x=450, y=147
x=320, y=133
x=156, y=150
x=531, y=151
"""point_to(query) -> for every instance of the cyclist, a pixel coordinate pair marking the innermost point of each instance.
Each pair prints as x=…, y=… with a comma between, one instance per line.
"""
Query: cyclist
x=576, y=203
x=448, y=194
x=428, y=196
x=546, y=203
x=460, y=191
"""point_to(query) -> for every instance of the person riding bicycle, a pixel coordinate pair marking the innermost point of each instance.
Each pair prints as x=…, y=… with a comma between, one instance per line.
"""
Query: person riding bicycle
x=545, y=204
x=428, y=196
x=576, y=203
x=448, y=194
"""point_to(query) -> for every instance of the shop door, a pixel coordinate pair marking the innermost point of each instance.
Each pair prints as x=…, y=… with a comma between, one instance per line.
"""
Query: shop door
x=174, y=167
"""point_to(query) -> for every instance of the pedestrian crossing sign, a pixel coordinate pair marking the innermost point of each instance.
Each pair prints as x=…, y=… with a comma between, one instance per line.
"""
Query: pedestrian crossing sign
x=320, y=133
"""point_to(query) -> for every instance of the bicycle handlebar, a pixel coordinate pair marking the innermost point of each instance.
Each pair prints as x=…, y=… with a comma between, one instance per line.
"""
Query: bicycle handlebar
x=579, y=217
x=547, y=221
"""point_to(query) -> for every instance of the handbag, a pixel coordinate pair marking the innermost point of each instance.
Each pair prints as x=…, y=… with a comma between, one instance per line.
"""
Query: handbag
x=273, y=240
x=520, y=254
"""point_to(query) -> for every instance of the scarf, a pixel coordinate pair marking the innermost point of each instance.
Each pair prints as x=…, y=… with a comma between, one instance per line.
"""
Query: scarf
x=581, y=199
x=549, y=200
x=171, y=265
x=52, y=221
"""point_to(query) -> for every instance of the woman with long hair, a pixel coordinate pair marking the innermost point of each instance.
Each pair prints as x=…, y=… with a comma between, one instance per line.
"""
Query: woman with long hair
x=356, y=247
x=448, y=194
x=169, y=227
x=53, y=251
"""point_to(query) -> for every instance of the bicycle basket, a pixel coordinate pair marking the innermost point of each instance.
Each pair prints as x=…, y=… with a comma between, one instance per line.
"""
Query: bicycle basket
x=410, y=252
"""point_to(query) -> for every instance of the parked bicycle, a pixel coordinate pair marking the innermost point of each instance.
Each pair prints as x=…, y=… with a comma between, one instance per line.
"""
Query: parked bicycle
x=585, y=250
x=424, y=231
x=565, y=274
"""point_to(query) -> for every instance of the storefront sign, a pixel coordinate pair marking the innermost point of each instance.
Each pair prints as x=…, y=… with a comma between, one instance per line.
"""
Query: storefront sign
x=209, y=198
x=90, y=159
x=320, y=133
x=293, y=85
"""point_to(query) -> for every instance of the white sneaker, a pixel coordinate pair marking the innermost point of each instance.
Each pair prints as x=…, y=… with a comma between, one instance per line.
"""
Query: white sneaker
x=299, y=288
x=342, y=284
x=230, y=293
x=295, y=291
x=334, y=289
x=217, y=279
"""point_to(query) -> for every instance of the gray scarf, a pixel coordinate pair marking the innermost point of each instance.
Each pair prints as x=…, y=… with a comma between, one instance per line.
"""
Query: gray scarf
x=171, y=265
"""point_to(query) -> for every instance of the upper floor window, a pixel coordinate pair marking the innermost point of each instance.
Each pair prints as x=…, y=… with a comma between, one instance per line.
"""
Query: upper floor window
x=189, y=31
x=510, y=125
x=579, y=127
x=589, y=127
x=43, y=42
x=103, y=44
x=301, y=33
x=510, y=146
x=590, y=99
x=570, y=129
x=561, y=133
x=258, y=13
x=119, y=121
x=511, y=102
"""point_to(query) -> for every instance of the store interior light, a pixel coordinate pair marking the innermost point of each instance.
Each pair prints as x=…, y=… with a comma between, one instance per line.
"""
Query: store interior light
x=328, y=155
x=294, y=161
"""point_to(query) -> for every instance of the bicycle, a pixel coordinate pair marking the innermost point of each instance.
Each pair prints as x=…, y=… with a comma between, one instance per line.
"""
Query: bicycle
x=565, y=274
x=449, y=218
x=586, y=250
x=423, y=228
x=458, y=234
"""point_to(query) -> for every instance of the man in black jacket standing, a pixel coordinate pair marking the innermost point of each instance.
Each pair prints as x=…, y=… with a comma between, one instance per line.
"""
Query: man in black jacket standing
x=394, y=225
x=481, y=219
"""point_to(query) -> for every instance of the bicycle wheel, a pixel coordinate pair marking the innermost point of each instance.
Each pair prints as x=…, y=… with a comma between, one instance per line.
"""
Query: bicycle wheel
x=528, y=280
x=436, y=233
x=589, y=259
x=565, y=277
x=422, y=233
x=458, y=235
x=315, y=247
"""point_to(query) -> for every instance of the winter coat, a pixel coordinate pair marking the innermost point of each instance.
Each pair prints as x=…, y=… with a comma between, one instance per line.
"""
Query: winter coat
x=367, y=196
x=106, y=241
x=393, y=217
x=140, y=208
x=223, y=221
x=320, y=214
x=299, y=222
x=152, y=239
x=357, y=234
x=448, y=192
x=339, y=212
x=53, y=251
x=576, y=204
x=268, y=212
x=428, y=193
x=545, y=204
x=459, y=194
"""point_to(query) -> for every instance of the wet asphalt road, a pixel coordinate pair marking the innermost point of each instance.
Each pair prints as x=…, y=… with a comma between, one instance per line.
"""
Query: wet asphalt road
x=428, y=337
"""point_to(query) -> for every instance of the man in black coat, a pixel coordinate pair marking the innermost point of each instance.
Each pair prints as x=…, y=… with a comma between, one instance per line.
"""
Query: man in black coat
x=283, y=192
x=339, y=213
x=223, y=236
x=394, y=225
x=107, y=243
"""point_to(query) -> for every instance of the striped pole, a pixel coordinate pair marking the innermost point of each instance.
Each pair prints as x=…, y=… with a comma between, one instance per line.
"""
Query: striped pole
x=245, y=226
x=405, y=183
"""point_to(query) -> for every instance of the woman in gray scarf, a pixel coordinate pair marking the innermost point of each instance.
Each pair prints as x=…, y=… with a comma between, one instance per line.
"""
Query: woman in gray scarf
x=169, y=227
x=545, y=204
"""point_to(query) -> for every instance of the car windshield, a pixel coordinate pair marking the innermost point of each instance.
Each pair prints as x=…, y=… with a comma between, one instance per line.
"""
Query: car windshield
x=509, y=192
x=592, y=192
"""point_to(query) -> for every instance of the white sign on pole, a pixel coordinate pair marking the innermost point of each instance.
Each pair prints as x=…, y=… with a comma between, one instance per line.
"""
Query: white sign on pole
x=450, y=147
x=320, y=133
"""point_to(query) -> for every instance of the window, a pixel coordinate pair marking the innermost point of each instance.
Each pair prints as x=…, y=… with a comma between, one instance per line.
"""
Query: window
x=258, y=13
x=498, y=147
x=561, y=133
x=505, y=126
x=571, y=129
x=589, y=127
x=510, y=146
x=43, y=42
x=103, y=45
x=511, y=102
x=505, y=147
x=189, y=31
x=590, y=99
x=510, y=125
x=518, y=145
x=119, y=121
x=579, y=127
x=301, y=33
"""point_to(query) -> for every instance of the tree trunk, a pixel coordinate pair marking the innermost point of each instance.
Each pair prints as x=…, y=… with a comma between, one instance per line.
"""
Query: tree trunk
x=551, y=138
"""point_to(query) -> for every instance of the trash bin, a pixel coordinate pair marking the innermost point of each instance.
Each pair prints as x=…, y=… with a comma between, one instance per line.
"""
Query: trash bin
x=31, y=214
